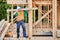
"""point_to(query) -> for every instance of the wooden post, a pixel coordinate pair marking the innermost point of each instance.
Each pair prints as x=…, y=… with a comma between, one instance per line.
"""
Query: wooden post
x=30, y=19
x=34, y=16
x=48, y=17
x=50, y=23
x=54, y=17
x=34, y=11
x=7, y=16
x=12, y=14
x=40, y=14
x=39, y=11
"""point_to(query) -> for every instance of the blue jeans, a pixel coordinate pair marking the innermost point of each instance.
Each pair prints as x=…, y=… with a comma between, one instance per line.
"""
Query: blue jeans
x=23, y=27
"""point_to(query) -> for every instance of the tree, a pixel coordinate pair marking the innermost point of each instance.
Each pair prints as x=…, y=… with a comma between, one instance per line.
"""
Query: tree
x=3, y=9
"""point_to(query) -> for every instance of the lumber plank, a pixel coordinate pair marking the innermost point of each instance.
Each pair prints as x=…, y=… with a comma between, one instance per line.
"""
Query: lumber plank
x=4, y=32
x=22, y=9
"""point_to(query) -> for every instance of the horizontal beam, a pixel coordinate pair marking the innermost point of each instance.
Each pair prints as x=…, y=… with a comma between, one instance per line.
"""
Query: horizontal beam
x=22, y=9
x=33, y=38
x=42, y=17
x=44, y=2
x=11, y=38
x=18, y=4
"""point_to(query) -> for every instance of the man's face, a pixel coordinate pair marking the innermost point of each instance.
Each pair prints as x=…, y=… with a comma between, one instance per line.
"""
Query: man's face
x=18, y=10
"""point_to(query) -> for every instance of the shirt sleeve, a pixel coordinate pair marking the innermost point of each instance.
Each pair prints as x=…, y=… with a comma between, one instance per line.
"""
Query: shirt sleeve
x=15, y=14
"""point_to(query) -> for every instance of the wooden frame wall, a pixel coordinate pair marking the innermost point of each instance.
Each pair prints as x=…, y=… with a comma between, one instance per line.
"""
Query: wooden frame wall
x=54, y=17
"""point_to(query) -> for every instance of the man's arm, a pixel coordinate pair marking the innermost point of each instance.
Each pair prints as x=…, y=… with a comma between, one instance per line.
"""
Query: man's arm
x=15, y=14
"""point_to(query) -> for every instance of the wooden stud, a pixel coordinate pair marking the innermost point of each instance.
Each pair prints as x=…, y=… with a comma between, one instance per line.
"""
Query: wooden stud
x=34, y=18
x=30, y=19
x=39, y=15
x=39, y=11
x=54, y=17
x=1, y=28
x=7, y=16
x=48, y=17
x=34, y=11
x=12, y=14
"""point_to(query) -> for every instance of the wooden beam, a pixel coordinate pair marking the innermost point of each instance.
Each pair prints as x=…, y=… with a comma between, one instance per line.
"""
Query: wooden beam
x=30, y=19
x=34, y=11
x=48, y=18
x=1, y=28
x=20, y=4
x=44, y=3
x=12, y=14
x=7, y=16
x=4, y=32
x=42, y=17
x=1, y=22
x=34, y=16
x=54, y=17
x=16, y=2
x=11, y=38
x=39, y=11
x=22, y=9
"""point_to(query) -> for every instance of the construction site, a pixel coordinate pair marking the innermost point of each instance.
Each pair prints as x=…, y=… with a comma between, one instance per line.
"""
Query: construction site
x=46, y=26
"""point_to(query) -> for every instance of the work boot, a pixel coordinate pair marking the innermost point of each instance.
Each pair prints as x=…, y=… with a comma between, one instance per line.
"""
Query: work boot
x=26, y=36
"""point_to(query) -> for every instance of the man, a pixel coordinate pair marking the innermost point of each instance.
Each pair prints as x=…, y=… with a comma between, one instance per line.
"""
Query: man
x=20, y=21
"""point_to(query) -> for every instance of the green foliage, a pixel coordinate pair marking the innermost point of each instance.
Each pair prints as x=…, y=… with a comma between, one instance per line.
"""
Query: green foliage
x=9, y=6
x=3, y=9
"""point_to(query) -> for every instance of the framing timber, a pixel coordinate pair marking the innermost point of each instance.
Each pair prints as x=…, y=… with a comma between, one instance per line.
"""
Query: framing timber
x=44, y=2
x=48, y=16
x=2, y=26
x=16, y=2
x=54, y=17
x=12, y=14
x=22, y=9
x=3, y=34
x=39, y=15
x=30, y=19
x=7, y=16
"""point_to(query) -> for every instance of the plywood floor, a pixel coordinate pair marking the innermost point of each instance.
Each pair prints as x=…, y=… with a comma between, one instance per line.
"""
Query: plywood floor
x=33, y=38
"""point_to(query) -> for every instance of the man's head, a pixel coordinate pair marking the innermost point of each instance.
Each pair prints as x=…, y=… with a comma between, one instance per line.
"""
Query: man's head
x=18, y=9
